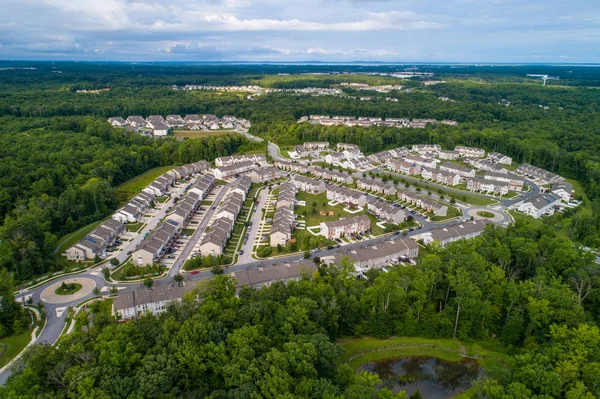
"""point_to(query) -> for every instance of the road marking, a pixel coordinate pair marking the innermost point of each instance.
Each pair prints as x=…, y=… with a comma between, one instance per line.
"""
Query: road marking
x=60, y=311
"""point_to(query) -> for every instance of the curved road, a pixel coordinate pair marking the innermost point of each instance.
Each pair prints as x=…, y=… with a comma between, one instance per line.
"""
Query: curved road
x=55, y=324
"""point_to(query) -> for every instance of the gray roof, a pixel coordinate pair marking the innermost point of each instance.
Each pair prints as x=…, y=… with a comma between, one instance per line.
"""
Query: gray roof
x=264, y=274
x=142, y=296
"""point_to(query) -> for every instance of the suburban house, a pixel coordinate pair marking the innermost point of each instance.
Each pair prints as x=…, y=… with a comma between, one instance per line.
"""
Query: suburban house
x=470, y=151
x=346, y=196
x=153, y=121
x=539, y=205
x=283, y=225
x=429, y=205
x=224, y=172
x=156, y=244
x=385, y=211
x=215, y=240
x=161, y=130
x=316, y=145
x=448, y=155
x=230, y=207
x=344, y=227
x=235, y=159
x=426, y=148
x=136, y=121
x=96, y=241
x=404, y=167
x=263, y=175
x=117, y=121
x=204, y=185
x=462, y=171
x=128, y=214
x=378, y=255
x=376, y=186
x=564, y=190
x=184, y=209
x=298, y=152
x=340, y=177
x=287, y=194
x=335, y=158
x=421, y=161
x=263, y=276
x=444, y=177
x=515, y=182
x=489, y=186
x=241, y=186
x=175, y=121
x=487, y=166
x=294, y=166
x=306, y=184
x=496, y=157
x=349, y=150
x=446, y=235
x=134, y=304
x=539, y=173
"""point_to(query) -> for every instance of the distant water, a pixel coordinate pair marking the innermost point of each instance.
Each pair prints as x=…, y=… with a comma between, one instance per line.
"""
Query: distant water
x=434, y=378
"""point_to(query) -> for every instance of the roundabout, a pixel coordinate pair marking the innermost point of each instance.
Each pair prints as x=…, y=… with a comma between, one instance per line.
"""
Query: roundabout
x=53, y=294
x=486, y=214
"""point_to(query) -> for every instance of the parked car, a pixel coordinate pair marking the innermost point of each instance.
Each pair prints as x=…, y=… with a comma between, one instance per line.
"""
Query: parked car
x=330, y=247
x=179, y=242
x=128, y=252
x=241, y=252
x=195, y=272
x=194, y=222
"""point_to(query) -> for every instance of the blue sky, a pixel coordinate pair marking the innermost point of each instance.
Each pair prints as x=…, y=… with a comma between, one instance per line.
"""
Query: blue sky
x=290, y=30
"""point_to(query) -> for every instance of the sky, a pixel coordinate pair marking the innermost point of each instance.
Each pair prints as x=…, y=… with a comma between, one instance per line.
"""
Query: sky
x=534, y=31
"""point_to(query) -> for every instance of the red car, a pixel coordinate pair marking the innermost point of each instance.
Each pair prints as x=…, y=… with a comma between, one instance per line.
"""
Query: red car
x=195, y=272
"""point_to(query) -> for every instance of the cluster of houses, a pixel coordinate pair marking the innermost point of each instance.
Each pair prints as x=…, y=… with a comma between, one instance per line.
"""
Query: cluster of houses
x=429, y=205
x=247, y=89
x=284, y=220
x=215, y=239
x=160, y=126
x=107, y=234
x=237, y=164
x=364, y=86
x=263, y=175
x=348, y=156
x=334, y=175
x=134, y=304
x=385, y=211
x=308, y=185
x=308, y=149
x=156, y=244
x=366, y=121
x=539, y=174
x=376, y=186
x=376, y=256
x=346, y=196
x=345, y=227
x=446, y=235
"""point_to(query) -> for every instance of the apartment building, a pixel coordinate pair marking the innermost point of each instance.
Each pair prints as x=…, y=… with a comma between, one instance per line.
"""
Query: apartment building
x=487, y=166
x=376, y=186
x=404, y=167
x=96, y=242
x=335, y=158
x=426, y=148
x=337, y=176
x=204, y=185
x=230, y=207
x=134, y=304
x=539, y=173
x=429, y=205
x=215, y=239
x=294, y=167
x=344, y=227
x=422, y=161
x=235, y=159
x=287, y=194
x=448, y=155
x=264, y=275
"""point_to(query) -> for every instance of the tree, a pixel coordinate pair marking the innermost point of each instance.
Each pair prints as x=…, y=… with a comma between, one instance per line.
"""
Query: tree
x=114, y=262
x=96, y=291
x=106, y=272
x=178, y=278
x=465, y=290
x=217, y=270
x=148, y=283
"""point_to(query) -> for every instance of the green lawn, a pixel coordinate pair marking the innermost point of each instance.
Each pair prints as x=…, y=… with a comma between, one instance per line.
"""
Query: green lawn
x=521, y=216
x=132, y=187
x=189, y=232
x=316, y=218
x=12, y=346
x=73, y=238
x=452, y=213
x=363, y=350
x=485, y=214
x=68, y=289
x=134, y=226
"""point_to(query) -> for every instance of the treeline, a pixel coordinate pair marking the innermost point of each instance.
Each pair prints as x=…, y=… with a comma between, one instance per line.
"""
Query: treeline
x=522, y=288
x=58, y=174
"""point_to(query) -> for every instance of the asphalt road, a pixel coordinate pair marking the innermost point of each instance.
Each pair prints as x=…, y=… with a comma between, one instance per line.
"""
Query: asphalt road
x=55, y=324
x=246, y=257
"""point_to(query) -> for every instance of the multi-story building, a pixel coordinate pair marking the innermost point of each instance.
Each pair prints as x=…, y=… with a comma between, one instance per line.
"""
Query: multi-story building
x=223, y=172
x=263, y=175
x=448, y=155
x=376, y=186
x=294, y=166
x=385, y=211
x=215, y=240
x=234, y=159
x=346, y=196
x=496, y=157
x=563, y=190
x=488, y=186
x=426, y=148
x=345, y=227
x=407, y=168
x=539, y=205
x=539, y=173
x=156, y=244
x=306, y=184
x=134, y=304
x=470, y=151
x=446, y=235
x=378, y=255
x=427, y=204
x=462, y=171
x=316, y=145
x=421, y=161
x=283, y=226
x=515, y=182
x=264, y=276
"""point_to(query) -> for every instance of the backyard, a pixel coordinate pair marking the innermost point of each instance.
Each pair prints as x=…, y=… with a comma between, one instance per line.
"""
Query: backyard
x=132, y=187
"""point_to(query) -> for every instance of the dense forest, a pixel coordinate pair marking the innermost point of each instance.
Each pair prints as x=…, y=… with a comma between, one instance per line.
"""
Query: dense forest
x=523, y=288
x=58, y=174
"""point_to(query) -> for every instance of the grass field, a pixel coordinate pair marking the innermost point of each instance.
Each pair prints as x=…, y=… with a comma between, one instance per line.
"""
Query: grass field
x=485, y=214
x=12, y=346
x=134, y=226
x=198, y=134
x=68, y=289
x=521, y=216
x=363, y=350
x=132, y=187
x=320, y=199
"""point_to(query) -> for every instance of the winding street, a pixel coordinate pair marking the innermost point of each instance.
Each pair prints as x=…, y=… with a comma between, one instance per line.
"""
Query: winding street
x=56, y=312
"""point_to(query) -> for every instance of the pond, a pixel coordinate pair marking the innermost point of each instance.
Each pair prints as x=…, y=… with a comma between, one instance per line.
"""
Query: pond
x=433, y=377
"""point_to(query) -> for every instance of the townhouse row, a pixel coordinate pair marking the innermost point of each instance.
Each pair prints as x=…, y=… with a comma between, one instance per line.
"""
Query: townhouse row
x=162, y=126
x=378, y=255
x=284, y=219
x=422, y=202
x=446, y=235
x=345, y=227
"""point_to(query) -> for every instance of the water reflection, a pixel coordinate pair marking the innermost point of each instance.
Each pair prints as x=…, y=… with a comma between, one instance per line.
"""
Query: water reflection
x=433, y=377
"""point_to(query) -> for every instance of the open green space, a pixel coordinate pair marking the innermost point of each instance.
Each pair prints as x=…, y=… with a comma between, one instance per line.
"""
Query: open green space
x=68, y=240
x=188, y=232
x=135, y=227
x=358, y=351
x=132, y=187
x=12, y=346
x=312, y=213
x=130, y=272
x=485, y=214
x=67, y=289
